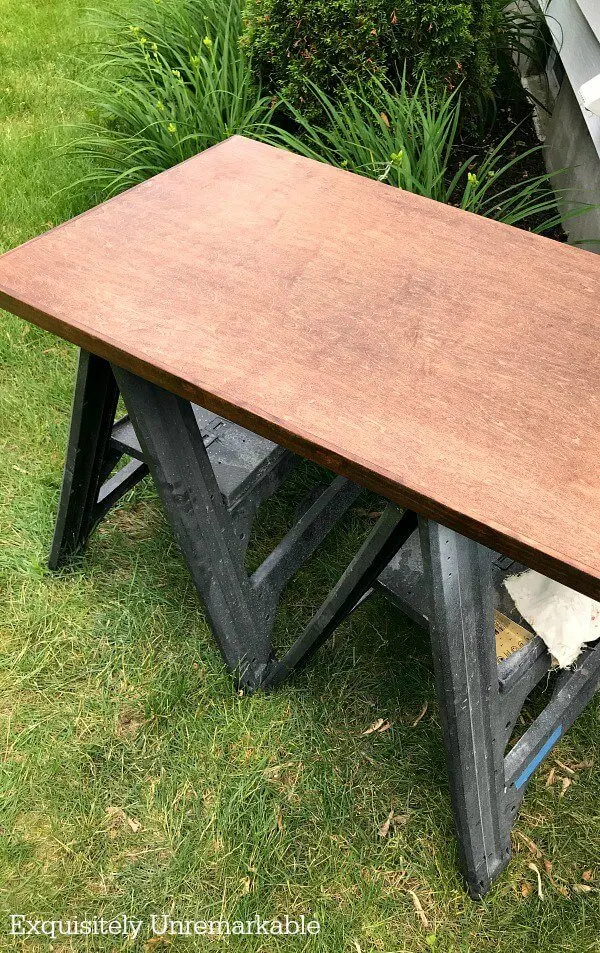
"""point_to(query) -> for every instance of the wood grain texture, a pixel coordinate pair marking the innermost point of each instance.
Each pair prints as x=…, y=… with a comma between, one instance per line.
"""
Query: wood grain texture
x=444, y=360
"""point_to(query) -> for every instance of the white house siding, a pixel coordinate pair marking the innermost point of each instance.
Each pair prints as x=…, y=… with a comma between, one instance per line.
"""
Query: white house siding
x=575, y=26
x=591, y=11
x=572, y=133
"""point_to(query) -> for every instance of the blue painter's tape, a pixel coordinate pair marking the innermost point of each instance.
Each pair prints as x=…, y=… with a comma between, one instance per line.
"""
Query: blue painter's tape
x=526, y=774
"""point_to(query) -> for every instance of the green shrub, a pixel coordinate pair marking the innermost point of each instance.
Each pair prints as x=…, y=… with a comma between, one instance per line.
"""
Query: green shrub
x=169, y=81
x=172, y=80
x=407, y=139
x=335, y=43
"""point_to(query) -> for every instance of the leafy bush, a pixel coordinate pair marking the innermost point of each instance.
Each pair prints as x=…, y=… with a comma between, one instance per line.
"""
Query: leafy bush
x=170, y=81
x=408, y=140
x=330, y=43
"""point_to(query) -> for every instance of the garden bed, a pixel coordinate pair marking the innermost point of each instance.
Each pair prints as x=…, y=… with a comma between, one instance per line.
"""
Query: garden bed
x=514, y=115
x=178, y=76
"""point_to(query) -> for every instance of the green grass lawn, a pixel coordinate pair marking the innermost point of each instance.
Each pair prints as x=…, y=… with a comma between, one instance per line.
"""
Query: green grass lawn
x=134, y=780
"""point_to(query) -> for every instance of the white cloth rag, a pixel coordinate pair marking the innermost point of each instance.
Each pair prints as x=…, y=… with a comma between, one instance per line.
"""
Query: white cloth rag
x=564, y=619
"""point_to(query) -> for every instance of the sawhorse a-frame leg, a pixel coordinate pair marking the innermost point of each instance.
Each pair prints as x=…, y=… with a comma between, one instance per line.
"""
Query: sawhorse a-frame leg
x=459, y=578
x=240, y=607
x=450, y=584
x=89, y=461
x=184, y=478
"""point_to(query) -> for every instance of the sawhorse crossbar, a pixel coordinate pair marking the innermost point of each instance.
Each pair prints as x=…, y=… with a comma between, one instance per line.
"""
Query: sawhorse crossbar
x=212, y=476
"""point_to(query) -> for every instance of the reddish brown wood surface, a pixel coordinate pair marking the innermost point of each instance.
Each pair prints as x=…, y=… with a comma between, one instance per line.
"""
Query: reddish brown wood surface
x=447, y=361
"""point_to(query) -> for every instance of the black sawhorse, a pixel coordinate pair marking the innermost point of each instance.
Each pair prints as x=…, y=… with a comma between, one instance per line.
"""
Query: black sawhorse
x=213, y=475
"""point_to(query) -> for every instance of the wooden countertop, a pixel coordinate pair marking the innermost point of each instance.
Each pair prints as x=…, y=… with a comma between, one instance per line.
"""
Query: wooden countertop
x=442, y=359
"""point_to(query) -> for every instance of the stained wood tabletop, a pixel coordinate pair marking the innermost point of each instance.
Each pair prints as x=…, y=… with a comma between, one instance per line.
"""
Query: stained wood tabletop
x=444, y=360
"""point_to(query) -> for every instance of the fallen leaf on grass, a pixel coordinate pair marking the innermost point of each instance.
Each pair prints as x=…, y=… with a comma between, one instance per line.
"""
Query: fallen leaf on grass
x=531, y=845
x=586, y=875
x=418, y=907
x=526, y=889
x=582, y=888
x=550, y=780
x=421, y=715
x=566, y=783
x=392, y=820
x=535, y=869
x=385, y=827
x=118, y=819
x=565, y=767
x=374, y=727
x=548, y=868
x=379, y=725
x=280, y=825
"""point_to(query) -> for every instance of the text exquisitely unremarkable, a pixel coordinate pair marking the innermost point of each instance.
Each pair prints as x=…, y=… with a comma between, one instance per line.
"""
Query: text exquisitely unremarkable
x=161, y=925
